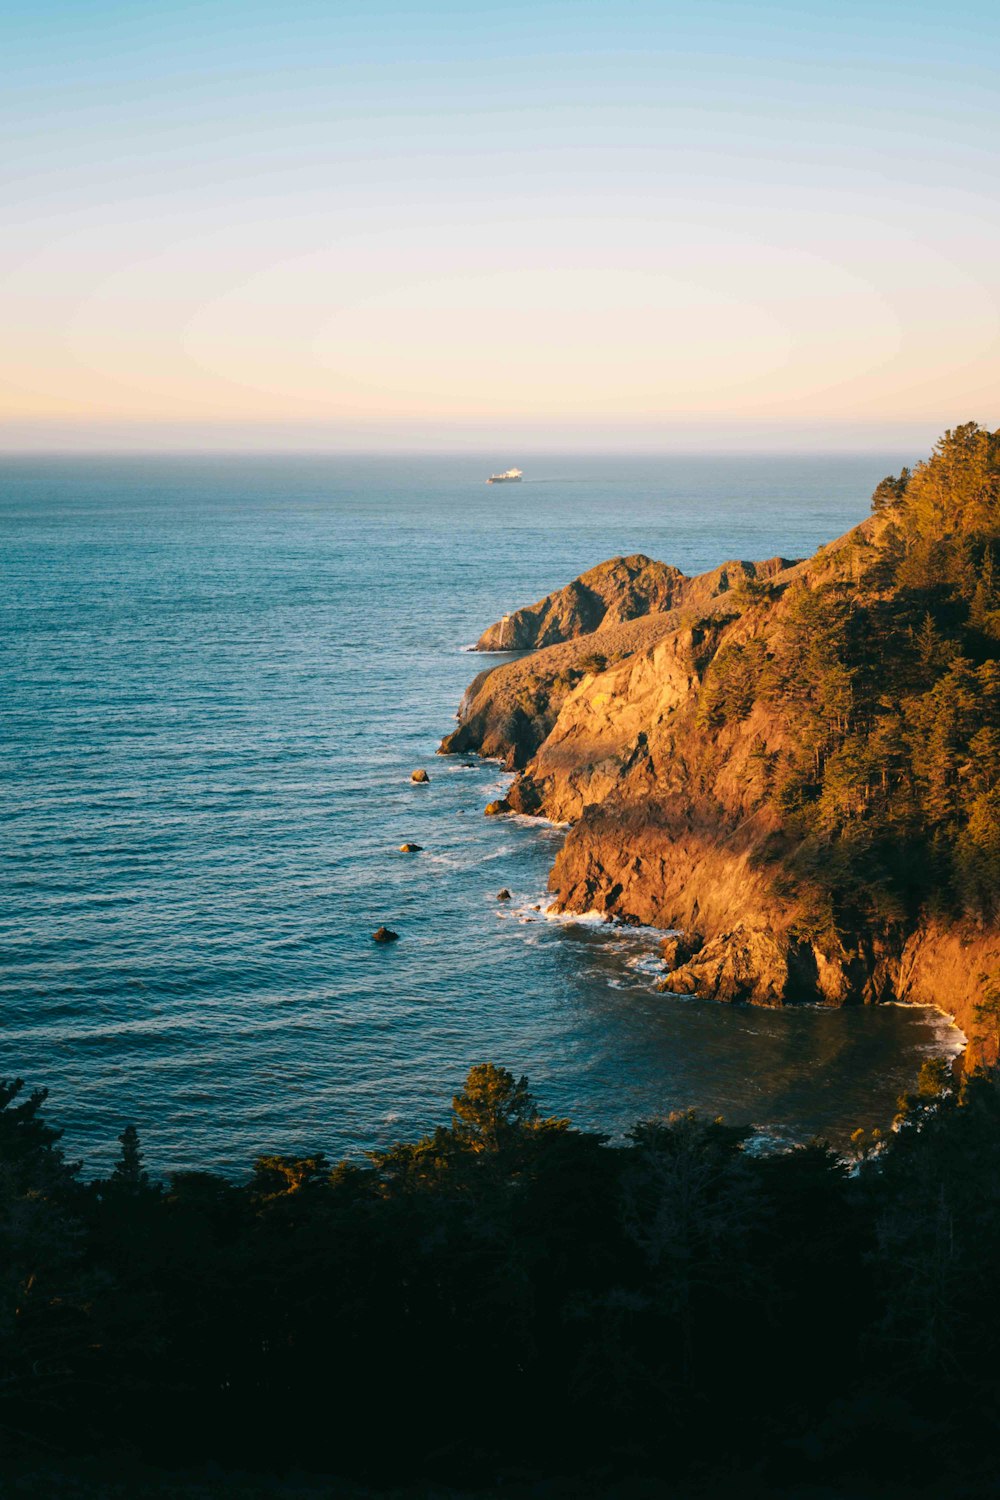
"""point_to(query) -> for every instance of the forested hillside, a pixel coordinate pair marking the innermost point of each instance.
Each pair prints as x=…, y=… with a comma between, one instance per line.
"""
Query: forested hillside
x=886, y=683
x=796, y=766
x=512, y=1300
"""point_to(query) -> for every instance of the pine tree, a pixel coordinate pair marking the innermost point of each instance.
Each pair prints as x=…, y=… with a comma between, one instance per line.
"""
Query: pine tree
x=129, y=1172
x=276, y=1176
x=31, y=1160
x=889, y=490
x=958, y=488
x=492, y=1109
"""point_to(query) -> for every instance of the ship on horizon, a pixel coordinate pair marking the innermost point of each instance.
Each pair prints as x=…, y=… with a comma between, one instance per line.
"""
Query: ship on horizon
x=509, y=476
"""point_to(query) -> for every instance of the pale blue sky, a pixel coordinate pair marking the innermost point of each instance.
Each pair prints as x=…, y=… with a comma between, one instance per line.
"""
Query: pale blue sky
x=439, y=225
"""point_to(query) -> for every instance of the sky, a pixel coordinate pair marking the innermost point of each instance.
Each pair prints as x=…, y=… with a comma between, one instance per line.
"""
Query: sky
x=392, y=226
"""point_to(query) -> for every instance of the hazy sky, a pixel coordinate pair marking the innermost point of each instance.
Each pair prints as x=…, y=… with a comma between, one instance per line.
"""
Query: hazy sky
x=498, y=225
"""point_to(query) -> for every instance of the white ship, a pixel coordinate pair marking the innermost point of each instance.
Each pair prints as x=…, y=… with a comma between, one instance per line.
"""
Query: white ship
x=509, y=476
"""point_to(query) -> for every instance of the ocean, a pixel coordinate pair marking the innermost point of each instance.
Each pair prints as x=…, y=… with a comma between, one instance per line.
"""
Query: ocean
x=216, y=675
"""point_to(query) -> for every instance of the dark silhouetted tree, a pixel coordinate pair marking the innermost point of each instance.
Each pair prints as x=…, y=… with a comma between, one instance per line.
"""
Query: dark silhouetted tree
x=129, y=1172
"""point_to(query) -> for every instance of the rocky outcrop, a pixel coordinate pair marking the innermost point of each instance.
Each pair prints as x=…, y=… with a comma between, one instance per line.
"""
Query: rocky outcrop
x=620, y=589
x=667, y=829
x=508, y=711
x=747, y=963
x=678, y=949
x=609, y=732
x=948, y=966
x=623, y=588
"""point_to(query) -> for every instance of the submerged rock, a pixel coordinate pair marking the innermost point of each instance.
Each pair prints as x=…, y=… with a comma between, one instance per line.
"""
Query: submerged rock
x=420, y=775
x=384, y=935
x=503, y=895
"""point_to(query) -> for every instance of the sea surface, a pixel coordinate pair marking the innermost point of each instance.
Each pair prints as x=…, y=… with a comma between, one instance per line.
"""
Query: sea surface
x=216, y=675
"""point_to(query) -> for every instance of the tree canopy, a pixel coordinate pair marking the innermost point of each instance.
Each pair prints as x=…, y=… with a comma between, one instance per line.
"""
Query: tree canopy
x=512, y=1295
x=877, y=680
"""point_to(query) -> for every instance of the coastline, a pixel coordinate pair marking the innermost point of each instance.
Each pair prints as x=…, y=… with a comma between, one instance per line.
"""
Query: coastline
x=601, y=919
x=626, y=959
x=764, y=761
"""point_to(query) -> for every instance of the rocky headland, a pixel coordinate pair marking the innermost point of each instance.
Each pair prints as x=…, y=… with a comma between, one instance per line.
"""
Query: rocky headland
x=795, y=766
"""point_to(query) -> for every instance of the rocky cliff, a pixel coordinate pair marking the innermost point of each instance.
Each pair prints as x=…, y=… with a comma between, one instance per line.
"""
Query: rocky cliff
x=623, y=588
x=509, y=710
x=795, y=766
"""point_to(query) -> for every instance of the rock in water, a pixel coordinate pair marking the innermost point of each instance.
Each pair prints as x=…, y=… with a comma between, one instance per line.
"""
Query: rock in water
x=744, y=964
x=503, y=895
x=679, y=948
x=411, y=848
x=494, y=809
x=419, y=776
x=384, y=935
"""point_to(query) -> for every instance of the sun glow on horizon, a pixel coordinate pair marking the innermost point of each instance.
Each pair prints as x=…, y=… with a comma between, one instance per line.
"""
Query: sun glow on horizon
x=394, y=228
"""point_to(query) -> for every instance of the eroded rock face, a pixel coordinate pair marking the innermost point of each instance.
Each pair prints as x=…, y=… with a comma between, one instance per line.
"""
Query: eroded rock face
x=608, y=732
x=678, y=949
x=620, y=589
x=745, y=964
x=509, y=711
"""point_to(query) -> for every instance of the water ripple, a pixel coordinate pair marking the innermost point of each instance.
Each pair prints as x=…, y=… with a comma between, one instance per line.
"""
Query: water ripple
x=215, y=679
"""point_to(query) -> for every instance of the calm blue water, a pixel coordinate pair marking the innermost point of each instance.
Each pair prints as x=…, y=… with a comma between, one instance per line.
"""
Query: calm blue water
x=215, y=678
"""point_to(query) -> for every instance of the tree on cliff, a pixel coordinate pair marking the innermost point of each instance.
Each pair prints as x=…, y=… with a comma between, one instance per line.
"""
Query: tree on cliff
x=958, y=488
x=889, y=490
x=886, y=685
x=987, y=1013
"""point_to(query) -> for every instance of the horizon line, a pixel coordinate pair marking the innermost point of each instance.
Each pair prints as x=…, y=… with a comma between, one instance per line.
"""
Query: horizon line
x=472, y=453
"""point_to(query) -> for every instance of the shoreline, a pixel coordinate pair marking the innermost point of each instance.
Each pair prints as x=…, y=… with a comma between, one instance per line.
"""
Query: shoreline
x=610, y=921
x=716, y=746
x=949, y=1041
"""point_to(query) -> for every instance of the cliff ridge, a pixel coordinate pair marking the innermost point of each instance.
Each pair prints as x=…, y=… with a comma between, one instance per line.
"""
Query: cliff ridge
x=798, y=764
